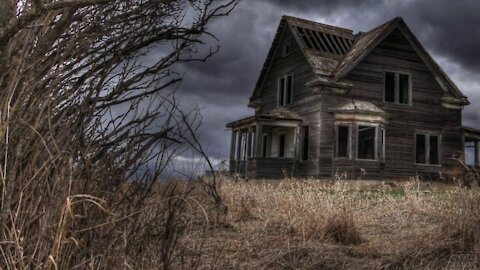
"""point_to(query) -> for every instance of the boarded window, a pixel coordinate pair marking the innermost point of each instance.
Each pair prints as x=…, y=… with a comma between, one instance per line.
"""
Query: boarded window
x=397, y=88
x=264, y=145
x=306, y=135
x=281, y=146
x=366, y=142
x=434, y=147
x=343, y=134
x=420, y=150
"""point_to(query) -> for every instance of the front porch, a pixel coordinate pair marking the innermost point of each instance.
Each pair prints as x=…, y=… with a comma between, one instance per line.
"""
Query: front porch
x=264, y=145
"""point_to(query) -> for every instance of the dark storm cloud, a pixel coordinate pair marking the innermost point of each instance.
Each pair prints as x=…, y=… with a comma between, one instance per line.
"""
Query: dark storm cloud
x=222, y=85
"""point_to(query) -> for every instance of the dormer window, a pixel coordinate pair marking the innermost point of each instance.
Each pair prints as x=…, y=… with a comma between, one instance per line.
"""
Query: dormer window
x=397, y=87
x=285, y=90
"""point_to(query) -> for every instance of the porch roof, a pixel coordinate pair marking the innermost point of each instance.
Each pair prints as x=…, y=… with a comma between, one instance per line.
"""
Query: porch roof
x=274, y=115
x=358, y=106
x=471, y=134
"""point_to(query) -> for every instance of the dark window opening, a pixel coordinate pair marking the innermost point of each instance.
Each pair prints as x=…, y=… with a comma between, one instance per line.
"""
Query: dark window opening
x=285, y=90
x=343, y=134
x=404, y=89
x=397, y=88
x=289, y=89
x=366, y=142
x=390, y=86
x=281, y=148
x=306, y=136
x=264, y=145
x=420, y=152
x=434, y=155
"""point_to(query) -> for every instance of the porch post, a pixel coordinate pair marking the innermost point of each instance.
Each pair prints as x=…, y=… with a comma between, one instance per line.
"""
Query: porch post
x=259, y=141
x=249, y=143
x=232, y=145
x=477, y=153
x=296, y=142
x=239, y=145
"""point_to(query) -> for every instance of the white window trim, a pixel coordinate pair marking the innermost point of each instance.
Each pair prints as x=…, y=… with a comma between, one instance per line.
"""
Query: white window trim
x=376, y=126
x=285, y=77
x=427, y=148
x=349, y=143
x=397, y=87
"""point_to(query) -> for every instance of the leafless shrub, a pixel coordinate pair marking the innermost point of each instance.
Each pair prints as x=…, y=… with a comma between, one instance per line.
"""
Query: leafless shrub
x=341, y=228
x=83, y=113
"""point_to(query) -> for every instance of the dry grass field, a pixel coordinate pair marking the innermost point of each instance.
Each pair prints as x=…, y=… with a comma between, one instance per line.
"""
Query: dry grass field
x=310, y=224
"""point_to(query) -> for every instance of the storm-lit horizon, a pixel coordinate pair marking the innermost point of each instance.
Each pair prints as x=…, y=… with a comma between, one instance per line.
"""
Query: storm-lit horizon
x=222, y=86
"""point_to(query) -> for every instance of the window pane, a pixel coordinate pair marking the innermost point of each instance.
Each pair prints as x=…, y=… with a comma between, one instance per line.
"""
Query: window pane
x=306, y=135
x=281, y=92
x=342, y=141
x=434, y=155
x=289, y=89
x=404, y=86
x=281, y=151
x=389, y=86
x=420, y=154
x=366, y=142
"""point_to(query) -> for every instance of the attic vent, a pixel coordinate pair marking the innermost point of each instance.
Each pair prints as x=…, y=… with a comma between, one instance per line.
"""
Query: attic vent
x=324, y=42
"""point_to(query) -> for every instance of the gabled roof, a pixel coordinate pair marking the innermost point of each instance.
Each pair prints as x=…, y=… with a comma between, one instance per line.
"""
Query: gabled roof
x=333, y=52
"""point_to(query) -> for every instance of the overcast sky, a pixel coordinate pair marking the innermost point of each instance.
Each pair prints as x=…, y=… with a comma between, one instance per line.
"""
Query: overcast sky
x=221, y=87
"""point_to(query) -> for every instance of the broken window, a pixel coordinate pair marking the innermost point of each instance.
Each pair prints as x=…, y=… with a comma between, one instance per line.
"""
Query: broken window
x=285, y=90
x=343, y=141
x=306, y=135
x=281, y=146
x=366, y=142
x=397, y=87
x=427, y=149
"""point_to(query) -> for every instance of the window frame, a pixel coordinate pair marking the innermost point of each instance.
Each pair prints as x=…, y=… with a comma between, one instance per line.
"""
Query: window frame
x=397, y=87
x=375, y=143
x=285, y=92
x=349, y=141
x=427, y=135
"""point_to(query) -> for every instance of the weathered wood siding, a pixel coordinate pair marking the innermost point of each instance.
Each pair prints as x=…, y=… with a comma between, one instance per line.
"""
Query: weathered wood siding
x=305, y=102
x=425, y=114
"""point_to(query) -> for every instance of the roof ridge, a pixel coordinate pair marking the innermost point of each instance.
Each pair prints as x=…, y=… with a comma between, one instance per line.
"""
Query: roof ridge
x=301, y=20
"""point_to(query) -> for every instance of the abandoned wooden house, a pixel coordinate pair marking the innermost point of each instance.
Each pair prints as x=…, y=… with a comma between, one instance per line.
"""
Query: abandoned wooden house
x=332, y=103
